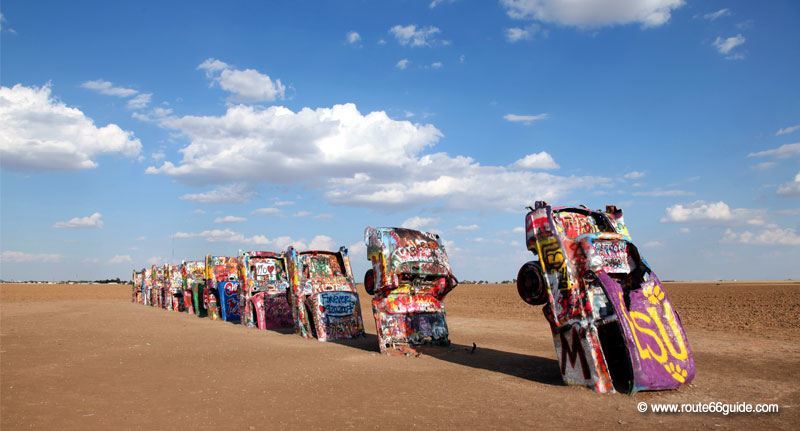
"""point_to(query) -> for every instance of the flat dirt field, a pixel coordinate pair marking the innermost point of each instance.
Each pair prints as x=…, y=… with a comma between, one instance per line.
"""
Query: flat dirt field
x=85, y=357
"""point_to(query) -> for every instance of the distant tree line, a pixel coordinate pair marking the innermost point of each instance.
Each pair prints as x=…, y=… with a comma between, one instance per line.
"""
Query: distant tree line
x=105, y=281
x=487, y=282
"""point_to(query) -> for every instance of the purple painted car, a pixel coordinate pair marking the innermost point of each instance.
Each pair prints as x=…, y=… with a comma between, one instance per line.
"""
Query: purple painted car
x=612, y=324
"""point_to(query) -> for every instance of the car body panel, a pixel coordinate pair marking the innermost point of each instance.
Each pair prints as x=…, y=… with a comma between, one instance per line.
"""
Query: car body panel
x=219, y=269
x=221, y=295
x=608, y=312
x=229, y=300
x=138, y=286
x=194, y=276
x=159, y=292
x=147, y=287
x=175, y=289
x=412, y=276
x=323, y=297
x=264, y=291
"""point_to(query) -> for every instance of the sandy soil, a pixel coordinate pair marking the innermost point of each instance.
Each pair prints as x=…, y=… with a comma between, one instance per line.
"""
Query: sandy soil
x=84, y=357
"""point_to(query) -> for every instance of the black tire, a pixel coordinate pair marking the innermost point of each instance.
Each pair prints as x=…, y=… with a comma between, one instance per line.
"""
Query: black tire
x=369, y=282
x=531, y=285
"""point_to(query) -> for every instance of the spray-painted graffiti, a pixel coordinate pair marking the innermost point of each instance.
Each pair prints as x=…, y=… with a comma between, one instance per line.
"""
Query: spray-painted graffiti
x=229, y=300
x=195, y=276
x=409, y=279
x=221, y=269
x=612, y=324
x=318, y=280
x=264, y=290
x=176, y=286
x=137, y=288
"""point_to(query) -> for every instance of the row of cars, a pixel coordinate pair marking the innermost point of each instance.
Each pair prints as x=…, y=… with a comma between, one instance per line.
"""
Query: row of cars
x=314, y=291
x=613, y=327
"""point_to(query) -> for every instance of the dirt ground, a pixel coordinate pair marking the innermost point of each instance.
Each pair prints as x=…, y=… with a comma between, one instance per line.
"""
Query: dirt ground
x=85, y=357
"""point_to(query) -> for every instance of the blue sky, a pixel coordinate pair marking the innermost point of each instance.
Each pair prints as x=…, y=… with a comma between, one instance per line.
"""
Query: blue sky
x=144, y=132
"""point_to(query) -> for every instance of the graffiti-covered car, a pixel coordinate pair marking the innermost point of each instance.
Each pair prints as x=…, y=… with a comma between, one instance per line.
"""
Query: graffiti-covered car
x=137, y=288
x=162, y=283
x=323, y=295
x=156, y=285
x=409, y=280
x=147, y=287
x=264, y=288
x=221, y=296
x=194, y=274
x=175, y=288
x=612, y=324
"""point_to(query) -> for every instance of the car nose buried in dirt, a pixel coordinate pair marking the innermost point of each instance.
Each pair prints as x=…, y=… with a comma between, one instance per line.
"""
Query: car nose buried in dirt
x=264, y=288
x=194, y=275
x=137, y=287
x=612, y=324
x=221, y=295
x=323, y=295
x=175, y=288
x=409, y=279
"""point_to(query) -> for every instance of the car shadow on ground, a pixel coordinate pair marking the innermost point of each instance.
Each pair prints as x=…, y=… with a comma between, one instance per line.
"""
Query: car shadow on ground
x=524, y=366
x=282, y=331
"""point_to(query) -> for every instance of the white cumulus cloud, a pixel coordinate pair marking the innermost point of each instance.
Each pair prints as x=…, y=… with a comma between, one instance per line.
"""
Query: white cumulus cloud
x=224, y=235
x=403, y=64
x=39, y=132
x=698, y=210
x=108, y=88
x=140, y=101
x=593, y=13
x=633, y=175
x=321, y=242
x=248, y=85
x=11, y=256
x=516, y=34
x=783, y=152
x=769, y=235
x=352, y=37
x=234, y=193
x=137, y=100
x=356, y=159
x=229, y=219
x=728, y=44
x=540, y=160
x=91, y=221
x=792, y=188
x=411, y=35
x=787, y=130
x=712, y=213
x=418, y=222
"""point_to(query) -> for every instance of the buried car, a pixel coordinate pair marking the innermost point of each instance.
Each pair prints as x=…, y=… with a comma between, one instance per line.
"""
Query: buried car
x=612, y=324
x=147, y=286
x=162, y=285
x=175, y=291
x=222, y=288
x=409, y=279
x=194, y=277
x=323, y=295
x=263, y=291
x=157, y=282
x=221, y=295
x=138, y=286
